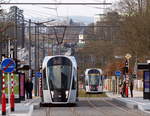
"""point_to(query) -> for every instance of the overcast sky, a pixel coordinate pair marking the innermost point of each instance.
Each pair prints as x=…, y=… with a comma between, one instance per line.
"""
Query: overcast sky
x=32, y=11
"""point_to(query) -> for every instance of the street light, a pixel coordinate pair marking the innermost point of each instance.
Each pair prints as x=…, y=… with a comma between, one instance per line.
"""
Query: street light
x=127, y=56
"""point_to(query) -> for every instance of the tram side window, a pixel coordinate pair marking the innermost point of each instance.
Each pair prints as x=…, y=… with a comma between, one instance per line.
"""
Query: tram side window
x=86, y=82
x=44, y=80
x=74, y=82
x=101, y=81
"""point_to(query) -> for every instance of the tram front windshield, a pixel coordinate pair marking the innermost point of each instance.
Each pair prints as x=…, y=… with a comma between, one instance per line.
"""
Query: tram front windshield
x=94, y=79
x=59, y=73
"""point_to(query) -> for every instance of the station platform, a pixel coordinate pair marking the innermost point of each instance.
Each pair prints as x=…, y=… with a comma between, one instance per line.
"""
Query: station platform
x=25, y=108
x=136, y=102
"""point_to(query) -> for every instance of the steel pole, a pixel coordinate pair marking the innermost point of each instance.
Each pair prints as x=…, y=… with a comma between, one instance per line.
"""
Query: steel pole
x=16, y=31
x=30, y=76
x=36, y=66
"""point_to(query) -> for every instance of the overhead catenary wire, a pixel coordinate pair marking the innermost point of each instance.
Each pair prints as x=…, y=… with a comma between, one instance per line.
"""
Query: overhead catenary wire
x=47, y=14
x=41, y=7
x=52, y=26
x=59, y=1
x=38, y=16
x=60, y=39
x=49, y=8
x=93, y=6
x=48, y=3
x=40, y=13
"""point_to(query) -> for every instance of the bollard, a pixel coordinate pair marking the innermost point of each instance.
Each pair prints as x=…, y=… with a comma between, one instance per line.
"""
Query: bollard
x=3, y=95
x=126, y=90
x=3, y=104
x=127, y=82
x=12, y=104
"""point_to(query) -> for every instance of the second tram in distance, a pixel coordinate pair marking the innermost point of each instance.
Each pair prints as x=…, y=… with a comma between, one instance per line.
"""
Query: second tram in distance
x=93, y=80
x=59, y=82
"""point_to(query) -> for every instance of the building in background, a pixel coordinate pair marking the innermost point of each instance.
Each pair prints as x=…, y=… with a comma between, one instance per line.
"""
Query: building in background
x=98, y=18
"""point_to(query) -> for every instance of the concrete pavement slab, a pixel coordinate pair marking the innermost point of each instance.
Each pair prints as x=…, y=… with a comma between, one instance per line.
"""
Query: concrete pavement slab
x=25, y=108
x=136, y=102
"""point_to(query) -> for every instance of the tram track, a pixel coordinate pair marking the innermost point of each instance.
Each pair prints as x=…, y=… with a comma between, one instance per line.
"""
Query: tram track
x=116, y=106
x=49, y=112
x=91, y=107
x=75, y=112
x=96, y=108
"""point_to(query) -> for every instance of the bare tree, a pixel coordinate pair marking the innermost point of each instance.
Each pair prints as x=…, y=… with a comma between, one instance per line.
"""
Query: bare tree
x=128, y=7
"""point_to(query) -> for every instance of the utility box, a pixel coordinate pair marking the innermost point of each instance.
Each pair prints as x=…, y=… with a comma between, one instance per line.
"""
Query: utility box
x=146, y=90
x=146, y=79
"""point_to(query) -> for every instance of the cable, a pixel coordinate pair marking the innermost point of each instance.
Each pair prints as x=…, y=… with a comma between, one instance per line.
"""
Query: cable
x=42, y=7
x=48, y=3
x=39, y=14
x=61, y=38
x=49, y=8
x=39, y=11
x=102, y=26
x=57, y=7
x=46, y=18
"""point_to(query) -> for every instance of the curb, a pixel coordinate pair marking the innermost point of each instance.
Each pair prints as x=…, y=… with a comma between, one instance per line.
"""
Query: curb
x=131, y=105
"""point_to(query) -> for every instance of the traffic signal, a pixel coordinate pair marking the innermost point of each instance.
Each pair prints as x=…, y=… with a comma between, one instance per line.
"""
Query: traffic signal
x=125, y=70
x=126, y=66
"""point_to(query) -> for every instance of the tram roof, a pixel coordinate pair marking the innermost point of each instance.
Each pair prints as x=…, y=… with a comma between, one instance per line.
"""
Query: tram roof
x=47, y=58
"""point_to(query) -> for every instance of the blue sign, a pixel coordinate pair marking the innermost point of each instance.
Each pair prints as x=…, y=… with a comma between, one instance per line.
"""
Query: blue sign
x=8, y=65
x=38, y=74
x=118, y=73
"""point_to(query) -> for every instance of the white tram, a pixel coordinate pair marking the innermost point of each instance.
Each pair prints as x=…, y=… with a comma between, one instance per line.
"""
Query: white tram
x=59, y=83
x=93, y=80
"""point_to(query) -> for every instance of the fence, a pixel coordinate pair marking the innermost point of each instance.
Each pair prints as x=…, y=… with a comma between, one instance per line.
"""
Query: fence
x=111, y=84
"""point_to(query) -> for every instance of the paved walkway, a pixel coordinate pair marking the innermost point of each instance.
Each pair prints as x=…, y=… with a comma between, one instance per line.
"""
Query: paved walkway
x=25, y=108
x=137, y=102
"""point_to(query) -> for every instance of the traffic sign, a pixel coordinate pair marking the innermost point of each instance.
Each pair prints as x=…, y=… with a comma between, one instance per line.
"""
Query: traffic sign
x=8, y=65
x=38, y=74
x=118, y=73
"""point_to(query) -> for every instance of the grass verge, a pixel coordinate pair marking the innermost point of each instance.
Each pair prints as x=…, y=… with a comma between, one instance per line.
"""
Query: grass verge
x=82, y=93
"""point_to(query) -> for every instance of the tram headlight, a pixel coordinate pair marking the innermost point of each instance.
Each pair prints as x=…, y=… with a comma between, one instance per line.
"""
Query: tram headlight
x=90, y=87
x=52, y=93
x=67, y=93
x=97, y=87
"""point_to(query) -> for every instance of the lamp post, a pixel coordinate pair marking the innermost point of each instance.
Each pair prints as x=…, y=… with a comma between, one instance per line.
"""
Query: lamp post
x=127, y=56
